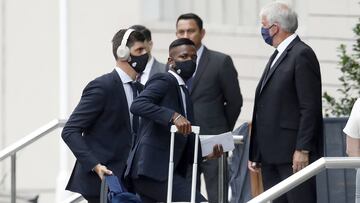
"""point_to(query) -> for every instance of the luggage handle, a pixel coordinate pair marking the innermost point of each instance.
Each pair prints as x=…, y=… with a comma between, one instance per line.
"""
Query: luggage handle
x=173, y=130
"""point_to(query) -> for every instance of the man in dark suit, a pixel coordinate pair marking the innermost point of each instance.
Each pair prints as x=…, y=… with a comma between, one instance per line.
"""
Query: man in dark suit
x=153, y=66
x=214, y=90
x=100, y=131
x=287, y=118
x=165, y=101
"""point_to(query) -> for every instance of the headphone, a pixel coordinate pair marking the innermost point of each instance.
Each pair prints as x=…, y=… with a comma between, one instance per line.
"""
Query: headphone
x=123, y=52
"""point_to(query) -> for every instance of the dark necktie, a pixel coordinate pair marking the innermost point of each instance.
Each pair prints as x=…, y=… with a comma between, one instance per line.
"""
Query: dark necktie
x=267, y=71
x=138, y=77
x=135, y=118
x=189, y=107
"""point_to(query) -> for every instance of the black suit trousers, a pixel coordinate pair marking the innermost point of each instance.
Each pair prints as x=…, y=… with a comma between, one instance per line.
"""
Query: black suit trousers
x=272, y=174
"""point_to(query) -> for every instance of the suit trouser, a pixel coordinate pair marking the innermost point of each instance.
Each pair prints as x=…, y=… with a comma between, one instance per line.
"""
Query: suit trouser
x=272, y=174
x=91, y=199
x=152, y=191
x=210, y=169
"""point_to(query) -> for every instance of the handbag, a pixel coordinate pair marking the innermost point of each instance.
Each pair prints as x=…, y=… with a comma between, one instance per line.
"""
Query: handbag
x=112, y=191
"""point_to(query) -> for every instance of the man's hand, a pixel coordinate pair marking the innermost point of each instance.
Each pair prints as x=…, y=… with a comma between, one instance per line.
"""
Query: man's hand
x=182, y=124
x=101, y=170
x=218, y=151
x=300, y=160
x=254, y=167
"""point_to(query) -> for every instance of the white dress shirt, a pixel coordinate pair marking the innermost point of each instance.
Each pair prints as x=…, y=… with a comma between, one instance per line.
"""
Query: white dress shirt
x=181, y=83
x=199, y=54
x=126, y=79
x=352, y=127
x=146, y=73
x=282, y=46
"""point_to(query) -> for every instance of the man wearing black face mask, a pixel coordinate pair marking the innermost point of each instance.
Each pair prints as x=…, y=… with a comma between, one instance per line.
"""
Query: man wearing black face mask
x=165, y=101
x=287, y=116
x=101, y=129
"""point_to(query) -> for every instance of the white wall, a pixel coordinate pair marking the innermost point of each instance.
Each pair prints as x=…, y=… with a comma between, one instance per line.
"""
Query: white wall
x=29, y=75
x=29, y=58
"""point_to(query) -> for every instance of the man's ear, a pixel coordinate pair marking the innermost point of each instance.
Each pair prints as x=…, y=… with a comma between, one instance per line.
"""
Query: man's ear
x=202, y=32
x=150, y=44
x=170, y=62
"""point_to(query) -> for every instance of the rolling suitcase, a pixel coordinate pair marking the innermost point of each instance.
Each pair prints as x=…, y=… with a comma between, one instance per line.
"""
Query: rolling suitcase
x=196, y=130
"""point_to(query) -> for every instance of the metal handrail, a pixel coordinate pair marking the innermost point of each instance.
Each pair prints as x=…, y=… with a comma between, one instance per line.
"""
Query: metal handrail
x=74, y=198
x=304, y=174
x=11, y=150
x=30, y=138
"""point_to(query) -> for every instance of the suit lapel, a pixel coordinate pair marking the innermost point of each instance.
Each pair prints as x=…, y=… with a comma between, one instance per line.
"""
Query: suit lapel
x=200, y=69
x=260, y=86
x=277, y=63
x=178, y=91
x=120, y=89
x=154, y=68
x=272, y=69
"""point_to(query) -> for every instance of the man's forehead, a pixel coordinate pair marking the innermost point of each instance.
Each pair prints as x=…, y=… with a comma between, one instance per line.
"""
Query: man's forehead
x=185, y=23
x=138, y=44
x=183, y=48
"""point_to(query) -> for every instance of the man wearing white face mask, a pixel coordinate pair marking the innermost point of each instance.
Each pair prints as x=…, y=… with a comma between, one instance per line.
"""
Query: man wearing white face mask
x=287, y=117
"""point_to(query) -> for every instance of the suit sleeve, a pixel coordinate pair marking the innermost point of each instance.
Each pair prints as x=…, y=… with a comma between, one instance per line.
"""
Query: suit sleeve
x=147, y=103
x=231, y=91
x=308, y=87
x=85, y=114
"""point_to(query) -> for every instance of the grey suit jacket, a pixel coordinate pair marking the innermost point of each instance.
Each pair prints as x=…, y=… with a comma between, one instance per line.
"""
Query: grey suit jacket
x=215, y=93
x=157, y=67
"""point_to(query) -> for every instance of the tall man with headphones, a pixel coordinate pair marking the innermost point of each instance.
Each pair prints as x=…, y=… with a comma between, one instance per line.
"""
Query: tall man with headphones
x=101, y=129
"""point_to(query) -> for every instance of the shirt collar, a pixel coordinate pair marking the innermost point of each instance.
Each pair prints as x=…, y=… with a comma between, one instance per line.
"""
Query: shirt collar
x=178, y=78
x=148, y=66
x=125, y=78
x=282, y=46
x=199, y=53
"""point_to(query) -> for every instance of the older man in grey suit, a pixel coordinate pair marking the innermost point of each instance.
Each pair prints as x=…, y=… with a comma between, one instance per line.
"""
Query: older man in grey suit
x=214, y=90
x=153, y=66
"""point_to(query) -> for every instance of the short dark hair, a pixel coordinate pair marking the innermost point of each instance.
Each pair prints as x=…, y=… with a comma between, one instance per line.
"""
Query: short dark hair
x=191, y=16
x=135, y=36
x=144, y=30
x=181, y=41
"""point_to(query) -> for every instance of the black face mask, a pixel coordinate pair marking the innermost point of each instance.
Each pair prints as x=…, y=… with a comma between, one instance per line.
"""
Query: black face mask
x=138, y=63
x=185, y=69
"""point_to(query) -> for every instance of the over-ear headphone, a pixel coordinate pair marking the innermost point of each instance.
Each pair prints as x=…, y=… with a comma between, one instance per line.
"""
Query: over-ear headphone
x=123, y=52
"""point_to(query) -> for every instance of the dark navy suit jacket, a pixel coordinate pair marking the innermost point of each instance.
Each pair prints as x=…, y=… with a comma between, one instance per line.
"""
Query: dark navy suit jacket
x=287, y=112
x=156, y=105
x=98, y=131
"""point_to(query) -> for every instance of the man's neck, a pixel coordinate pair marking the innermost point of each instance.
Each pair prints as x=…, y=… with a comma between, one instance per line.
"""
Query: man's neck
x=281, y=37
x=125, y=66
x=198, y=47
